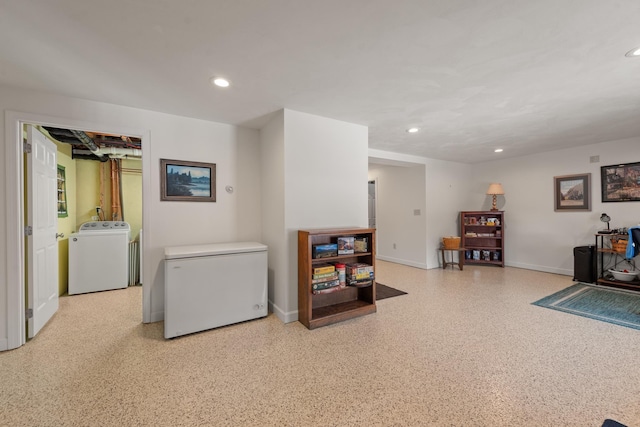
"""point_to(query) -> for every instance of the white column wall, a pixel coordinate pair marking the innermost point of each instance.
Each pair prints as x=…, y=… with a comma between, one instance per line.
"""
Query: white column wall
x=273, y=196
x=325, y=182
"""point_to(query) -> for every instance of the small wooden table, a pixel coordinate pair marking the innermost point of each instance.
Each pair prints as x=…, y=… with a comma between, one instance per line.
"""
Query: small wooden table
x=460, y=262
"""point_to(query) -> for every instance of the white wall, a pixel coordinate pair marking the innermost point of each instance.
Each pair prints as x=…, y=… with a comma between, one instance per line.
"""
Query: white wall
x=400, y=191
x=325, y=182
x=446, y=192
x=448, y=187
x=235, y=150
x=273, y=234
x=537, y=237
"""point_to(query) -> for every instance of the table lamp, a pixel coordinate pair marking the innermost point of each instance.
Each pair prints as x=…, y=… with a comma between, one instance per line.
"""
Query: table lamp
x=605, y=218
x=495, y=189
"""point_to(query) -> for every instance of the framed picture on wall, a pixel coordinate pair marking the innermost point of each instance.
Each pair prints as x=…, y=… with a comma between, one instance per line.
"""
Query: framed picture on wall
x=185, y=181
x=572, y=192
x=621, y=183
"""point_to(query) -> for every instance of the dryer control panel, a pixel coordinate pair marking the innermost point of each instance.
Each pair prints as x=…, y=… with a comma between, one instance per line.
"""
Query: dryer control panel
x=104, y=225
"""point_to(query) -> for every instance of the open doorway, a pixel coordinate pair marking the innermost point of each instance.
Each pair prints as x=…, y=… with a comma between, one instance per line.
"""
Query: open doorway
x=98, y=221
x=18, y=208
x=103, y=185
x=372, y=204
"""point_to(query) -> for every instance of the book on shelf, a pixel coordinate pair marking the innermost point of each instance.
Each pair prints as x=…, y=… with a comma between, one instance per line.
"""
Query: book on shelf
x=361, y=244
x=324, y=275
x=358, y=267
x=329, y=277
x=324, y=268
x=328, y=290
x=345, y=245
x=361, y=283
x=367, y=275
x=324, y=251
x=325, y=285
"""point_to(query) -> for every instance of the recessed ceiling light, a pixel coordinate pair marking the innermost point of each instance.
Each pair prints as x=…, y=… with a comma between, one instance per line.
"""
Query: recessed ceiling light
x=413, y=130
x=220, y=82
x=498, y=150
x=635, y=52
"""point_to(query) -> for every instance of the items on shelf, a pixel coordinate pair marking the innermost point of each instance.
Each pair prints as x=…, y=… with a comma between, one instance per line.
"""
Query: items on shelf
x=359, y=274
x=614, y=266
x=360, y=244
x=346, y=245
x=324, y=268
x=341, y=269
x=325, y=251
x=327, y=287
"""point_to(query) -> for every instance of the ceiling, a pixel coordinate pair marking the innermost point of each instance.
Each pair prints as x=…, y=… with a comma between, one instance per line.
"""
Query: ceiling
x=96, y=146
x=525, y=76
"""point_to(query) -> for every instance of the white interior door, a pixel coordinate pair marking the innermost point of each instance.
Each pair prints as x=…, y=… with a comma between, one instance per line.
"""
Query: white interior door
x=42, y=244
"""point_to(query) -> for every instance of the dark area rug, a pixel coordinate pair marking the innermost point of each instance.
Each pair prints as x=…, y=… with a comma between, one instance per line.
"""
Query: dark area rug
x=384, y=291
x=597, y=302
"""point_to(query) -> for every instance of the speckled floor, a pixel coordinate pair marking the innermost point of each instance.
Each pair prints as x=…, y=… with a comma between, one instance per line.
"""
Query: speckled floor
x=463, y=348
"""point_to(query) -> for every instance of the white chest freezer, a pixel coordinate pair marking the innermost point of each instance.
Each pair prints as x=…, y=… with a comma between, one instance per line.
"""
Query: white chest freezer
x=207, y=286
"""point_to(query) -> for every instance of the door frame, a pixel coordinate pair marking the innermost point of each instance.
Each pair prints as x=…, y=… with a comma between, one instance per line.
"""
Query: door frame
x=15, y=203
x=375, y=203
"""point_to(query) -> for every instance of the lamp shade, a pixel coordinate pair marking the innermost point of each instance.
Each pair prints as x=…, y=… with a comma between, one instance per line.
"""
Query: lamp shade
x=495, y=188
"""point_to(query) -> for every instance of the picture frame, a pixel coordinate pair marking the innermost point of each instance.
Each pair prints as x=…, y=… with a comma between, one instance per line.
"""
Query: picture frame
x=620, y=183
x=185, y=181
x=572, y=192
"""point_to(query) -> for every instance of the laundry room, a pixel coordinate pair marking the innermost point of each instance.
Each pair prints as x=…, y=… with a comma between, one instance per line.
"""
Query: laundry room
x=99, y=209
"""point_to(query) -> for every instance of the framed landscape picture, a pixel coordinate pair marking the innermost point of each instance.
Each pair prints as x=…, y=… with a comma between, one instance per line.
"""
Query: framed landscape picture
x=621, y=183
x=572, y=192
x=187, y=181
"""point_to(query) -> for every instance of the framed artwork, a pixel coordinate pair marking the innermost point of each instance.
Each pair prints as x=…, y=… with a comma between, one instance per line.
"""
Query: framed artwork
x=572, y=192
x=184, y=181
x=621, y=183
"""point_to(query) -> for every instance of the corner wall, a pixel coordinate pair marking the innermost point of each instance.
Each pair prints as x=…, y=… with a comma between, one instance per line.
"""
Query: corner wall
x=325, y=181
x=314, y=175
x=273, y=235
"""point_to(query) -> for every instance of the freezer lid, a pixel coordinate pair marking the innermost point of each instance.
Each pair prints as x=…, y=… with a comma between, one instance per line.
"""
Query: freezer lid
x=212, y=249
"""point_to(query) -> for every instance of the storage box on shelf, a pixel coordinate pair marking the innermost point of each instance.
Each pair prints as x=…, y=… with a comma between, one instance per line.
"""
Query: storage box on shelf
x=611, y=253
x=320, y=307
x=482, y=234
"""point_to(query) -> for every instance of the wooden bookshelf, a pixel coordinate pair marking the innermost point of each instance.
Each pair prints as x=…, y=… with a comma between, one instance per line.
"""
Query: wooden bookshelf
x=319, y=310
x=482, y=235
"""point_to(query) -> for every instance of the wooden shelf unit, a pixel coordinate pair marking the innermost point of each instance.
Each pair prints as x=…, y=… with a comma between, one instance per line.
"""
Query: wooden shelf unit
x=319, y=310
x=490, y=238
x=605, y=253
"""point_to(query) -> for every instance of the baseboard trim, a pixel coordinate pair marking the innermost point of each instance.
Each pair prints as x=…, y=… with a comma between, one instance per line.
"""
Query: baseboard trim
x=543, y=268
x=402, y=261
x=156, y=316
x=285, y=317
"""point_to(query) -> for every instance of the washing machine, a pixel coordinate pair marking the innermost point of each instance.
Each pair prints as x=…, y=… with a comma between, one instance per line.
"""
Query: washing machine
x=99, y=257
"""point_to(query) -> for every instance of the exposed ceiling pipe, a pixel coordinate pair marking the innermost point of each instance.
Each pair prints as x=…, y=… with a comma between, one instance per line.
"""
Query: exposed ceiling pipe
x=88, y=142
x=115, y=153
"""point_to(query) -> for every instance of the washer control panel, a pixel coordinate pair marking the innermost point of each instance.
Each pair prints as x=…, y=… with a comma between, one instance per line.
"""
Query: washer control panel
x=104, y=225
